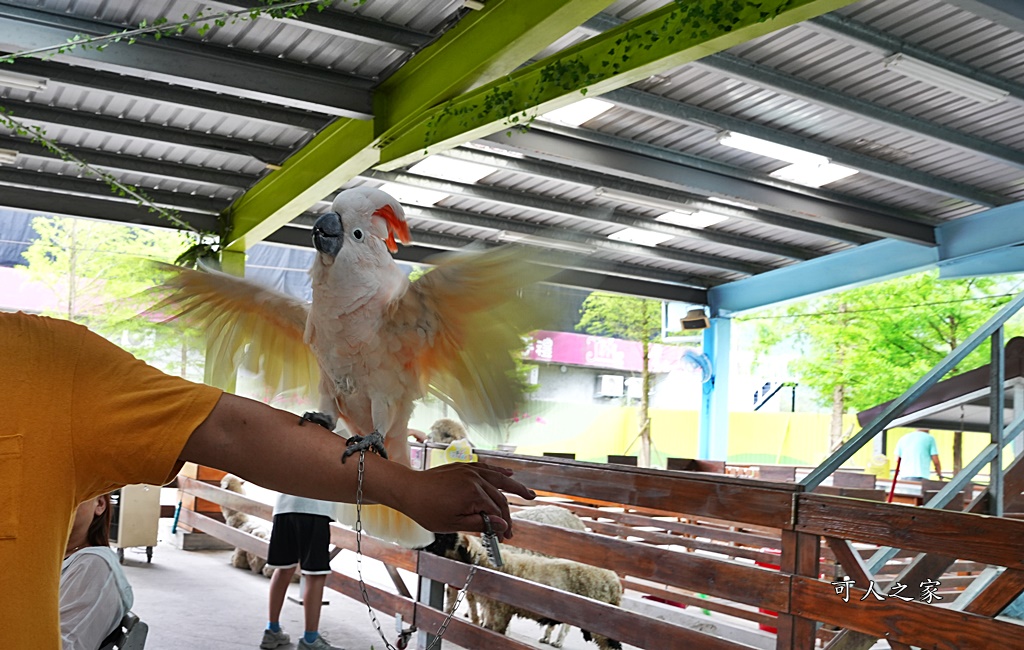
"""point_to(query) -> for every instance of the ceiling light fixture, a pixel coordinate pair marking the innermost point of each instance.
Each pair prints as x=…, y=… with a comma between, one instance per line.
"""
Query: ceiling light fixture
x=451, y=169
x=642, y=237
x=577, y=113
x=698, y=219
x=413, y=195
x=22, y=81
x=8, y=156
x=769, y=149
x=941, y=78
x=813, y=175
x=544, y=242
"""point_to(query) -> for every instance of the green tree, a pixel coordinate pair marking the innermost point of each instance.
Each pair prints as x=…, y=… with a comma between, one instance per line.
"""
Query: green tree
x=96, y=271
x=862, y=347
x=633, y=319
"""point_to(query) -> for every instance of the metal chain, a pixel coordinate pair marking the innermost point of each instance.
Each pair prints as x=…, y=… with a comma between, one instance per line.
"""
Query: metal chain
x=359, y=570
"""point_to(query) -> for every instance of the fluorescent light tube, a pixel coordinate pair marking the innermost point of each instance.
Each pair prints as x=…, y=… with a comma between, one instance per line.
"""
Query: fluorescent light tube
x=8, y=156
x=942, y=78
x=451, y=169
x=575, y=114
x=813, y=175
x=769, y=149
x=22, y=81
x=698, y=219
x=642, y=237
x=413, y=195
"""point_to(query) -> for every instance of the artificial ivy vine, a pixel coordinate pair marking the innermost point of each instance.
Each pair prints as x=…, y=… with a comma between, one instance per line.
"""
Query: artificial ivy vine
x=692, y=20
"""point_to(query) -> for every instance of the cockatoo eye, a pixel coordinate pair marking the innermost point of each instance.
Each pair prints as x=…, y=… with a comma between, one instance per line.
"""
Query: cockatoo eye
x=357, y=234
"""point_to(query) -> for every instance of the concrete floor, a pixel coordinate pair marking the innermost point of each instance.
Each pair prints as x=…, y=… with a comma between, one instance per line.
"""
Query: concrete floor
x=196, y=600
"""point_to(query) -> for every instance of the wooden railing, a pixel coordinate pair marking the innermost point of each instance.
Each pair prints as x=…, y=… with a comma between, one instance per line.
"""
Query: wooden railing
x=709, y=541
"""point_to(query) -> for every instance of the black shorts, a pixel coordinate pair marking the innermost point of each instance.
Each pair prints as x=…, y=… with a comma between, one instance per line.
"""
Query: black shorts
x=303, y=539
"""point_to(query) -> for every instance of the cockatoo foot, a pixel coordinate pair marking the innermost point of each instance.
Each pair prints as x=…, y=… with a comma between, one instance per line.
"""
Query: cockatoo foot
x=372, y=441
x=317, y=417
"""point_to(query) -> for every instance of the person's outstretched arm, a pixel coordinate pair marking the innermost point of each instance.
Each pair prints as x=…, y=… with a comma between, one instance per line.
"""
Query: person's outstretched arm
x=938, y=465
x=270, y=448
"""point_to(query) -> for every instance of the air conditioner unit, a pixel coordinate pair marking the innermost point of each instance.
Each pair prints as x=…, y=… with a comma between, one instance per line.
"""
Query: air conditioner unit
x=634, y=388
x=610, y=385
x=533, y=376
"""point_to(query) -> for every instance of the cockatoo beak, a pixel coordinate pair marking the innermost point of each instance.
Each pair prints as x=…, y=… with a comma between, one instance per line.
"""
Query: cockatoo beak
x=327, y=235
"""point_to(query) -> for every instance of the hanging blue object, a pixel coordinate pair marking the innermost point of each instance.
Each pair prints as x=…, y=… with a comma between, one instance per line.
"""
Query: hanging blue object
x=700, y=361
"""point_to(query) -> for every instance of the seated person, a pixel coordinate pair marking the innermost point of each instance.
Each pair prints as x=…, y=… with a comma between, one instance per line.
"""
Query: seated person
x=94, y=592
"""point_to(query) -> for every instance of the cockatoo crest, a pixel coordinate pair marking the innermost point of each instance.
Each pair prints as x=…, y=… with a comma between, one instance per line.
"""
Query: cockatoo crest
x=396, y=225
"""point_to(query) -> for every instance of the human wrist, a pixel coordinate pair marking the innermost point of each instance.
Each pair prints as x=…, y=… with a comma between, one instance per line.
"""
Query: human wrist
x=386, y=482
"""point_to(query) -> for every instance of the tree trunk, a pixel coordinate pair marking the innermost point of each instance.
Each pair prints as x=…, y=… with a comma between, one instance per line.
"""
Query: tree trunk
x=958, y=452
x=835, y=436
x=644, y=459
x=72, y=272
x=184, y=357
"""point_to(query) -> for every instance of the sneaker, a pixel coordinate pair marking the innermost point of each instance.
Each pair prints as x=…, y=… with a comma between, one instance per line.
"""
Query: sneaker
x=273, y=639
x=320, y=644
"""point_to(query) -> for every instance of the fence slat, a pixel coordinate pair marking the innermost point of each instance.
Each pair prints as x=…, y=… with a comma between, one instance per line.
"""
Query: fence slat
x=957, y=534
x=911, y=623
x=723, y=497
x=999, y=594
x=226, y=533
x=226, y=498
x=599, y=618
x=701, y=573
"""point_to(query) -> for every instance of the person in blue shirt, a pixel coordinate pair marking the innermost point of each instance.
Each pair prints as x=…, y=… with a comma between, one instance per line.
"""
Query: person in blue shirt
x=914, y=451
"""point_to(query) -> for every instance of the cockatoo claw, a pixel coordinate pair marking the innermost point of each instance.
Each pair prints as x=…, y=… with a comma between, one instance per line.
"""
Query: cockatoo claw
x=372, y=441
x=316, y=417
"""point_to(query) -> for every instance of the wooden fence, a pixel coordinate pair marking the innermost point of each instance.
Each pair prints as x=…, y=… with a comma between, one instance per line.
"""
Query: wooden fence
x=712, y=542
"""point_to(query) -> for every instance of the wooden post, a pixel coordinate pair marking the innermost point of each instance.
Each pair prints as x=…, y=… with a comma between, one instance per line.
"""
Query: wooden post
x=800, y=552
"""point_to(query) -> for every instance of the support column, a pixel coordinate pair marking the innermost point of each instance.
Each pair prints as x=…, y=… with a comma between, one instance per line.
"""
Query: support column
x=713, y=438
x=997, y=400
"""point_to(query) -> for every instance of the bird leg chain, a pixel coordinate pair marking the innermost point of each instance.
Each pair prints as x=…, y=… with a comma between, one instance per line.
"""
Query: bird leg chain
x=359, y=565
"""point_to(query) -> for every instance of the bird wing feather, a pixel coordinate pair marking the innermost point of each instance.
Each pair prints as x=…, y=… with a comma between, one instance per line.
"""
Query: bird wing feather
x=467, y=317
x=246, y=326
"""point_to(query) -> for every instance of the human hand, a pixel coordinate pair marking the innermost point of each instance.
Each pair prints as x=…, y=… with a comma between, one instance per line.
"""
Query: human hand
x=450, y=498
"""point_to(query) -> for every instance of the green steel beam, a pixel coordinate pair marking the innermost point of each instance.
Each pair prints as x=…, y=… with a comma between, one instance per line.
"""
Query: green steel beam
x=483, y=46
x=663, y=39
x=332, y=158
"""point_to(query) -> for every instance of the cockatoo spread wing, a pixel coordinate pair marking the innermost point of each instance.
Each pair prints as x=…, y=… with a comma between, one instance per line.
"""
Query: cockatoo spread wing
x=469, y=317
x=246, y=326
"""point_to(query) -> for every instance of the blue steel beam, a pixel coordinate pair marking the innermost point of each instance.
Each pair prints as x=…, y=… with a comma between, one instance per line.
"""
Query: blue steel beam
x=873, y=262
x=998, y=262
x=713, y=436
x=980, y=242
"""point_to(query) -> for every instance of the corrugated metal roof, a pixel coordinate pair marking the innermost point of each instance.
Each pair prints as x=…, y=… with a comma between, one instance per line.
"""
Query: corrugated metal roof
x=929, y=176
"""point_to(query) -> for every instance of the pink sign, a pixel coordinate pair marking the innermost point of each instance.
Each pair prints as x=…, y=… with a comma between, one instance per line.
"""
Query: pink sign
x=602, y=352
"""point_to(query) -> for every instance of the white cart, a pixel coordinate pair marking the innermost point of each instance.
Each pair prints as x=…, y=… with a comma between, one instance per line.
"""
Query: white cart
x=135, y=518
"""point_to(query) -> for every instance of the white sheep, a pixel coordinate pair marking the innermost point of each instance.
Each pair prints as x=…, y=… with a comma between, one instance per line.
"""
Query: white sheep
x=446, y=431
x=600, y=584
x=241, y=558
x=553, y=516
x=547, y=514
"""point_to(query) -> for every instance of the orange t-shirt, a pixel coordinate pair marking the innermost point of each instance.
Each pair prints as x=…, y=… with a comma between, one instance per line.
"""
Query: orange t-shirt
x=79, y=417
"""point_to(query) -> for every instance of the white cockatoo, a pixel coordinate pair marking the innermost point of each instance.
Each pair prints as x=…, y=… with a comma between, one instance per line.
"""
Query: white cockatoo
x=371, y=342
